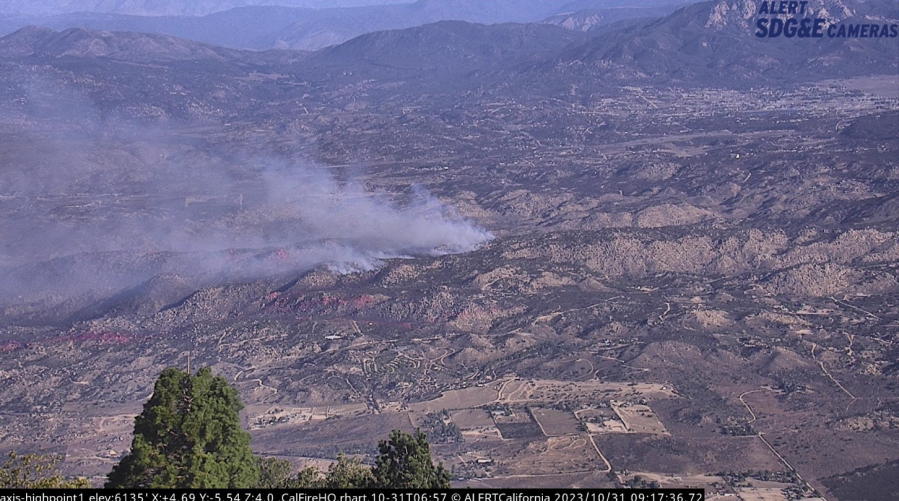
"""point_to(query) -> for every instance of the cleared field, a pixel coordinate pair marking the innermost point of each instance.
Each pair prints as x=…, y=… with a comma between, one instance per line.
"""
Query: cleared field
x=258, y=417
x=518, y=424
x=275, y=416
x=555, y=455
x=540, y=391
x=343, y=433
x=556, y=423
x=465, y=398
x=472, y=418
x=638, y=418
x=576, y=479
x=341, y=410
x=550, y=391
x=595, y=414
x=611, y=426
x=761, y=494
x=706, y=482
x=671, y=455
x=601, y=420
x=486, y=433
x=766, y=484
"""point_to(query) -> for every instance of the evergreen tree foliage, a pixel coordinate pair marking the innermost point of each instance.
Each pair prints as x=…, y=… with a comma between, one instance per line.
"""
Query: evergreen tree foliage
x=405, y=462
x=188, y=436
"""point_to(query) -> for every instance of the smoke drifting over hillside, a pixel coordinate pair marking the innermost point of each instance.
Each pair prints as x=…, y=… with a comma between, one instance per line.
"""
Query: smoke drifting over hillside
x=114, y=204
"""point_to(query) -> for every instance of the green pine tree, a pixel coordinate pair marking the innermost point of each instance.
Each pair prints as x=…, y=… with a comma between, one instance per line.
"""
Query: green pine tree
x=405, y=462
x=188, y=436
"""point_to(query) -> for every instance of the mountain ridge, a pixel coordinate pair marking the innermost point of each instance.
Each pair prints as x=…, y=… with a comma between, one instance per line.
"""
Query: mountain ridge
x=701, y=43
x=715, y=41
x=456, y=46
x=83, y=42
x=267, y=27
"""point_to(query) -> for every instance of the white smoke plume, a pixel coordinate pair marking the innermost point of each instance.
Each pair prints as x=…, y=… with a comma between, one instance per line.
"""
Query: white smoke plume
x=101, y=205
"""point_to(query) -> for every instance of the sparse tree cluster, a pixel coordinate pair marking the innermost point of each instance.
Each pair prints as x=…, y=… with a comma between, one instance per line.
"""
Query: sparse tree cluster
x=404, y=461
x=441, y=429
x=189, y=436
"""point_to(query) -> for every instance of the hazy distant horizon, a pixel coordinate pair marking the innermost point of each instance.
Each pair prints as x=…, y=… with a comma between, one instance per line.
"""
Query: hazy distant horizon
x=168, y=7
x=197, y=8
x=284, y=24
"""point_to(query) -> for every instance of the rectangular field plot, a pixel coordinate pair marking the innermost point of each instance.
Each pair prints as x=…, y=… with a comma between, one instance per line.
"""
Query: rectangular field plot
x=611, y=426
x=517, y=424
x=549, y=391
x=528, y=430
x=638, y=418
x=603, y=420
x=710, y=483
x=322, y=438
x=555, y=423
x=472, y=418
x=258, y=418
x=275, y=416
x=465, y=398
x=554, y=455
x=761, y=494
x=671, y=455
x=486, y=433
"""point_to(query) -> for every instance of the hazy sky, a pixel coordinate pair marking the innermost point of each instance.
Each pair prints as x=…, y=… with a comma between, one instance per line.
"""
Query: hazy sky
x=536, y=8
x=166, y=7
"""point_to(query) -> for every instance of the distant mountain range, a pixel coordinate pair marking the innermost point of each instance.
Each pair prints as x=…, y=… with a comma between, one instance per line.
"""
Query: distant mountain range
x=446, y=47
x=123, y=46
x=710, y=43
x=715, y=42
x=279, y=27
x=594, y=19
x=167, y=7
x=439, y=50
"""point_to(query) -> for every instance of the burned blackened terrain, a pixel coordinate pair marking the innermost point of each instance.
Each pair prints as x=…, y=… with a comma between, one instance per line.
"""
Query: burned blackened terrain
x=582, y=284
